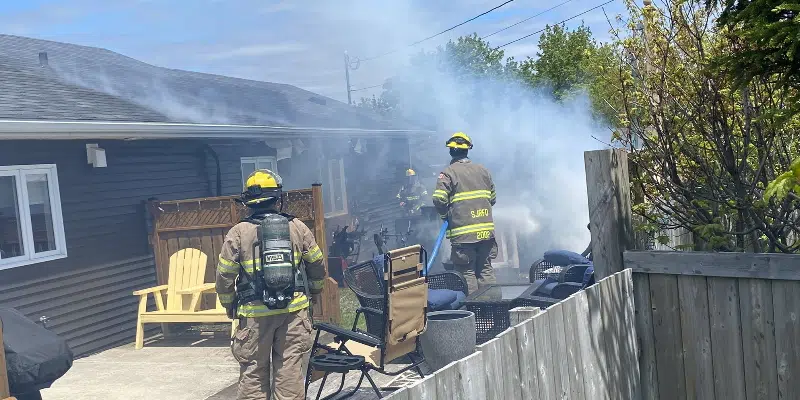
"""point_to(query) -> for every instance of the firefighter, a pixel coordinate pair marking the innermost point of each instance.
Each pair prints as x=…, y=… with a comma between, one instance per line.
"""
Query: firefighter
x=275, y=331
x=464, y=196
x=411, y=194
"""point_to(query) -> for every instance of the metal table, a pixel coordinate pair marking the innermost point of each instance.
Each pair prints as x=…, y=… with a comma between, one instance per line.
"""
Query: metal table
x=490, y=305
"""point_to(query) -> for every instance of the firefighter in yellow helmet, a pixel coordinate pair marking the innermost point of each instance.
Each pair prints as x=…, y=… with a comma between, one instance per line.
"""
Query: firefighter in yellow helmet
x=464, y=196
x=412, y=194
x=268, y=268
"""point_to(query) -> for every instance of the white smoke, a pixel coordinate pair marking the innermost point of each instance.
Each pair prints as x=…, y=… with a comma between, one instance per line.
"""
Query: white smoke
x=532, y=145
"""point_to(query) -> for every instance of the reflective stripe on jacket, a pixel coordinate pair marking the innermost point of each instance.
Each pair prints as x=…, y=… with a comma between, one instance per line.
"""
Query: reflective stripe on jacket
x=413, y=196
x=237, y=251
x=464, y=196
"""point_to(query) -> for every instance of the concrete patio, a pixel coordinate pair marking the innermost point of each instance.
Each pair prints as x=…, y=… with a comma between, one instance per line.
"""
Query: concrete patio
x=188, y=367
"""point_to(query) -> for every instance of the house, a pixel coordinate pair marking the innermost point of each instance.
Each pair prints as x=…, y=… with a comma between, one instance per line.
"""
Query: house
x=87, y=136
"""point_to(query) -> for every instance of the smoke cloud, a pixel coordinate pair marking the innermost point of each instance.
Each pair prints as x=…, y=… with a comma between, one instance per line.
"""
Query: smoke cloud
x=532, y=145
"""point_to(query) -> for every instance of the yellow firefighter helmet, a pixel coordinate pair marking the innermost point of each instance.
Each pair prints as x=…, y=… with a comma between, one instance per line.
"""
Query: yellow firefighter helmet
x=410, y=172
x=459, y=140
x=262, y=185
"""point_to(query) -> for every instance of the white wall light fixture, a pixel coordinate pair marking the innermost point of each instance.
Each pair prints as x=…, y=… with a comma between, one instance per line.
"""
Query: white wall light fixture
x=95, y=155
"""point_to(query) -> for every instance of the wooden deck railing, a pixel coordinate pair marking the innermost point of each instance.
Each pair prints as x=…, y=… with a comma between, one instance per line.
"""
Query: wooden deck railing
x=581, y=348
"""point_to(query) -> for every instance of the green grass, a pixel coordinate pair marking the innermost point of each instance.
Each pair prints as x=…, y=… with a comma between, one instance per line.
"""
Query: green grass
x=348, y=303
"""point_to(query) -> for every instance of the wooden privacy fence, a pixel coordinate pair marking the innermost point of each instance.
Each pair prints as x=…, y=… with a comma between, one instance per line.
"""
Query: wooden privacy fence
x=720, y=326
x=583, y=348
x=202, y=224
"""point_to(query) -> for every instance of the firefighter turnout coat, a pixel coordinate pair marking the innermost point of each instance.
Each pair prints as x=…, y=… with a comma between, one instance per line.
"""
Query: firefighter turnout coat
x=237, y=250
x=413, y=195
x=464, y=196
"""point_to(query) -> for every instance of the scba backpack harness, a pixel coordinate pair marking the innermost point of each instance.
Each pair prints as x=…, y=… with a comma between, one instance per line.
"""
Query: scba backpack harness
x=275, y=279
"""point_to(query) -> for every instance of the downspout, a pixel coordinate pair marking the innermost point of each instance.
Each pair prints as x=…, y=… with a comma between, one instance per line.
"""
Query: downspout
x=215, y=156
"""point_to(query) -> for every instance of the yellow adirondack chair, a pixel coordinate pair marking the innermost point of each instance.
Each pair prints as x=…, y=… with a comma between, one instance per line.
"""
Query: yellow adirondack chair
x=184, y=290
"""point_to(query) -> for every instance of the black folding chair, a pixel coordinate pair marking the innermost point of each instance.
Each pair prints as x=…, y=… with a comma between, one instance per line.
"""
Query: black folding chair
x=404, y=319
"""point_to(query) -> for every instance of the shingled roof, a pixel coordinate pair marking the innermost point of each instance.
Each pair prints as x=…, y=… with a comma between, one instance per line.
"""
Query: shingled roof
x=88, y=83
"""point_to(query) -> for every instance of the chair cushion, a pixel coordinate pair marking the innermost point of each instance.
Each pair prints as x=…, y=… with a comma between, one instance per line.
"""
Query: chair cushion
x=544, y=286
x=564, y=257
x=460, y=296
x=441, y=299
x=546, y=289
x=563, y=290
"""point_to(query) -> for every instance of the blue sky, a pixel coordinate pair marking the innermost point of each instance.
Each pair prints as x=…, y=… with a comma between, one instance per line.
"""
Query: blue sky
x=299, y=42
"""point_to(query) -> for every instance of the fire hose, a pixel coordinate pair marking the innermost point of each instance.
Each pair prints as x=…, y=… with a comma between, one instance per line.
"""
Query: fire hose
x=436, y=246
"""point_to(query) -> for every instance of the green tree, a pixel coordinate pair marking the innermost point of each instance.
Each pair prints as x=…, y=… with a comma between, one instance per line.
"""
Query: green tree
x=563, y=62
x=708, y=146
x=767, y=40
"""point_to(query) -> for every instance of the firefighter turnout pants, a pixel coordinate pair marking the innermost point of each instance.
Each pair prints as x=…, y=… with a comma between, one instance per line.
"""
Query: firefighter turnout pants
x=474, y=261
x=287, y=338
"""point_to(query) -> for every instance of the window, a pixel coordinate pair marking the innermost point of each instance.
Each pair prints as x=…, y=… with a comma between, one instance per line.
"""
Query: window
x=31, y=227
x=250, y=164
x=335, y=191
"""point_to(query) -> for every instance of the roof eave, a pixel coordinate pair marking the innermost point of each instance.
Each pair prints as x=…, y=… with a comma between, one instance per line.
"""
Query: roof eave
x=75, y=130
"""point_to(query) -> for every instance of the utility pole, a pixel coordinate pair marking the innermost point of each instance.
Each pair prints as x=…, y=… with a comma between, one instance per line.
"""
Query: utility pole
x=347, y=76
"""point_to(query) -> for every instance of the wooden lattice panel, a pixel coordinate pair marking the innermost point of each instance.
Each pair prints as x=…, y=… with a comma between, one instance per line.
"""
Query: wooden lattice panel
x=196, y=213
x=299, y=203
x=202, y=224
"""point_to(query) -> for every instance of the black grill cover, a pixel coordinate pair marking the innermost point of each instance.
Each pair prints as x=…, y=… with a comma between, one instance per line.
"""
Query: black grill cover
x=35, y=356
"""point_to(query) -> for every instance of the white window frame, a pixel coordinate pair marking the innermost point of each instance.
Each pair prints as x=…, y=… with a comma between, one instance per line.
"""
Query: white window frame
x=331, y=192
x=256, y=160
x=23, y=207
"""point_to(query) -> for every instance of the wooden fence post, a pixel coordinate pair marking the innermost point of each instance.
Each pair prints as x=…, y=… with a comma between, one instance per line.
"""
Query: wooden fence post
x=609, y=200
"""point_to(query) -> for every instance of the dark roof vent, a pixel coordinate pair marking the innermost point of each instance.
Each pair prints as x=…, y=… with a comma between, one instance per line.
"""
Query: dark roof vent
x=43, y=59
x=317, y=100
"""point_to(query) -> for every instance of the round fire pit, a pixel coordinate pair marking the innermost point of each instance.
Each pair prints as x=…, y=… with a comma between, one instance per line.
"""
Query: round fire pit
x=450, y=336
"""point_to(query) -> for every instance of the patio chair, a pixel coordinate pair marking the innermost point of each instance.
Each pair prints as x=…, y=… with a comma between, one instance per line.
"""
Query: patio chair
x=364, y=281
x=184, y=291
x=537, y=270
x=405, y=292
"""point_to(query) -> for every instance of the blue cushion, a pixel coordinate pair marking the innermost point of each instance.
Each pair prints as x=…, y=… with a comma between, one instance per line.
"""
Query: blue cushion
x=564, y=257
x=460, y=296
x=441, y=299
x=547, y=289
x=545, y=286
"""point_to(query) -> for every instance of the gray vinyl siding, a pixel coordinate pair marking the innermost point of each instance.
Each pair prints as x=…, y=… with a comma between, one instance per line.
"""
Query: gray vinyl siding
x=87, y=296
x=92, y=308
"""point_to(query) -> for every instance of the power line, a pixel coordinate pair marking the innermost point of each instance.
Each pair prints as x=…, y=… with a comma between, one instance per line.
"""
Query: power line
x=526, y=36
x=365, y=88
x=559, y=23
x=527, y=19
x=444, y=31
